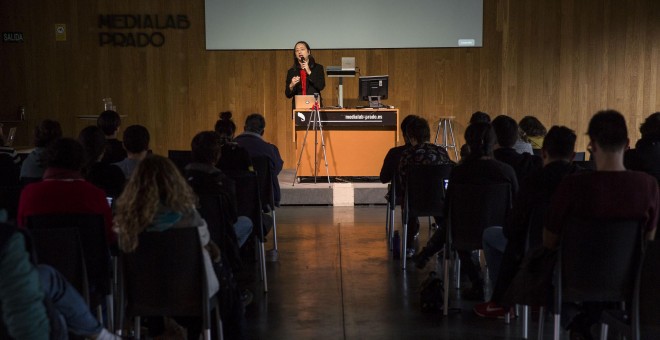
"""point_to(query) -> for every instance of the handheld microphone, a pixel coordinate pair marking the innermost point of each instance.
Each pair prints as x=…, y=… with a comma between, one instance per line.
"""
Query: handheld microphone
x=302, y=59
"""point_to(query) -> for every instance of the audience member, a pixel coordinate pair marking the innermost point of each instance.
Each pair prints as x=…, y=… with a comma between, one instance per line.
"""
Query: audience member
x=136, y=143
x=506, y=130
x=10, y=167
x=533, y=131
x=478, y=168
x=477, y=117
x=103, y=175
x=157, y=198
x=233, y=158
x=646, y=154
x=109, y=122
x=6, y=150
x=610, y=192
x=252, y=140
x=34, y=166
x=421, y=152
x=388, y=172
x=24, y=288
x=504, y=248
x=63, y=189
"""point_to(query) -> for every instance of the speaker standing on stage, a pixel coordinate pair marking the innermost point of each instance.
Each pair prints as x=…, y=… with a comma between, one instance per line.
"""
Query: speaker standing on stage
x=305, y=77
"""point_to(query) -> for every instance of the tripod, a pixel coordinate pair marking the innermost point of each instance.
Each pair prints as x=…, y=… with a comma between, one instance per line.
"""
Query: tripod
x=317, y=126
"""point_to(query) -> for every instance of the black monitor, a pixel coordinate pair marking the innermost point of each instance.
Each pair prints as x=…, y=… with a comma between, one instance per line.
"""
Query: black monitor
x=373, y=89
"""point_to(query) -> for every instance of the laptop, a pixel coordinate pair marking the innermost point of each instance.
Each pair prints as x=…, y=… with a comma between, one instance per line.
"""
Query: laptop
x=304, y=102
x=11, y=136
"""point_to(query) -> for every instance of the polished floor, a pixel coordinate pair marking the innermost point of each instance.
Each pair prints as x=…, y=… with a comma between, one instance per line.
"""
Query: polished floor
x=335, y=279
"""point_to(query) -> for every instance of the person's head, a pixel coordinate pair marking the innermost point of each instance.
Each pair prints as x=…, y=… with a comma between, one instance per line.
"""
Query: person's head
x=480, y=138
x=404, y=124
x=109, y=121
x=301, y=49
x=418, y=131
x=46, y=132
x=93, y=141
x=532, y=127
x=225, y=127
x=506, y=130
x=479, y=117
x=559, y=143
x=155, y=184
x=608, y=132
x=136, y=139
x=255, y=123
x=206, y=147
x=651, y=126
x=65, y=153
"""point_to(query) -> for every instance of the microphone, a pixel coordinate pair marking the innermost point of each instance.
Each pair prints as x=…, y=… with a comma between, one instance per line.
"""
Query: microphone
x=302, y=59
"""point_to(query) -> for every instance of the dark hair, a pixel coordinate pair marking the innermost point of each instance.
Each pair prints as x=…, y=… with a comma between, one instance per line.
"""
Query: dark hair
x=109, y=122
x=532, y=127
x=93, y=141
x=311, y=60
x=404, y=123
x=559, y=142
x=651, y=126
x=255, y=123
x=419, y=130
x=136, y=139
x=480, y=138
x=225, y=127
x=479, y=117
x=65, y=153
x=46, y=132
x=608, y=129
x=206, y=147
x=506, y=130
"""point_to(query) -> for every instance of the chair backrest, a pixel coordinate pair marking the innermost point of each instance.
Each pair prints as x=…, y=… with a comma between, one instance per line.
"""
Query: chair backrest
x=263, y=167
x=248, y=199
x=425, y=190
x=475, y=207
x=9, y=171
x=598, y=259
x=535, y=226
x=9, y=198
x=95, y=250
x=165, y=275
x=649, y=295
x=180, y=158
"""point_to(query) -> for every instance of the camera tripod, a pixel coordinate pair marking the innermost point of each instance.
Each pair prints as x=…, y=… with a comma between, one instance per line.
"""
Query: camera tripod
x=315, y=123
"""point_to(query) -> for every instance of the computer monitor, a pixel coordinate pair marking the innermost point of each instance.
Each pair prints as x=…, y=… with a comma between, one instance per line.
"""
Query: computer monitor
x=373, y=89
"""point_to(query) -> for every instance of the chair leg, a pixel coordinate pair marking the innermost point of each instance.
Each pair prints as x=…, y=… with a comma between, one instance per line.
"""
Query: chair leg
x=262, y=265
x=218, y=320
x=525, y=321
x=274, y=230
x=99, y=313
x=404, y=249
x=541, y=322
x=457, y=271
x=391, y=226
x=137, y=328
x=557, y=327
x=110, y=302
x=603, y=331
x=445, y=255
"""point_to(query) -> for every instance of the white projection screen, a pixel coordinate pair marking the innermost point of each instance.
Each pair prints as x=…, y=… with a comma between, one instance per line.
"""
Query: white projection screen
x=342, y=24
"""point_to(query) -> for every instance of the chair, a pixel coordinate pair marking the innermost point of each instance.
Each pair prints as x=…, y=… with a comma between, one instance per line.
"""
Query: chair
x=248, y=203
x=391, y=207
x=267, y=183
x=597, y=261
x=166, y=276
x=642, y=322
x=95, y=254
x=9, y=198
x=473, y=208
x=424, y=195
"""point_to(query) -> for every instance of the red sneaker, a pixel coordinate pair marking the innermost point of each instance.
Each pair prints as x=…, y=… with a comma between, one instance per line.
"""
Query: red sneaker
x=491, y=310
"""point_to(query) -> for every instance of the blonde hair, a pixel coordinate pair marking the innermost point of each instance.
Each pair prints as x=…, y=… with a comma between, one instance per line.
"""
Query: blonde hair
x=155, y=182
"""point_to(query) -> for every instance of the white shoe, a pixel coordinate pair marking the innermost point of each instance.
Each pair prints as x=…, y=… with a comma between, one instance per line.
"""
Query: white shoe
x=106, y=335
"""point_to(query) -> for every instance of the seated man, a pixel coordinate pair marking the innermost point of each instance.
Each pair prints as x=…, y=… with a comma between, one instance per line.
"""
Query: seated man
x=136, y=143
x=33, y=166
x=63, y=189
x=233, y=157
x=421, y=151
x=109, y=122
x=252, y=140
x=609, y=192
x=504, y=247
x=393, y=158
x=646, y=154
x=507, y=133
x=103, y=175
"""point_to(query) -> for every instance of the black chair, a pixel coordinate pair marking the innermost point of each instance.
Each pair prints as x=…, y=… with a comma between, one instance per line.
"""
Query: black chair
x=248, y=203
x=473, y=208
x=180, y=158
x=597, y=262
x=166, y=276
x=9, y=198
x=267, y=184
x=643, y=320
x=424, y=195
x=391, y=207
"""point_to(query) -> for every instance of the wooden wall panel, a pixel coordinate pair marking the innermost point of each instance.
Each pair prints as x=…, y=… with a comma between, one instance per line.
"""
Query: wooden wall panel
x=559, y=60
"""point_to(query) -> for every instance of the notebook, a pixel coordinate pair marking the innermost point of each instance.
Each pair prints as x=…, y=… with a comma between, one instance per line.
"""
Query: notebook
x=304, y=102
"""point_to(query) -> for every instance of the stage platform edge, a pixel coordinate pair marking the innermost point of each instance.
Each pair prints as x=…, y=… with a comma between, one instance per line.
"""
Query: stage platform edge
x=335, y=194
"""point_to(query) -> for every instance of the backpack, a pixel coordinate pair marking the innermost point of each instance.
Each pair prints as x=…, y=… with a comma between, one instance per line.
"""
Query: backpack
x=431, y=293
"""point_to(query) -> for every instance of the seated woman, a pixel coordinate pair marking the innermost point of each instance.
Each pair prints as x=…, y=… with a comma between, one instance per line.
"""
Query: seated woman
x=157, y=198
x=34, y=166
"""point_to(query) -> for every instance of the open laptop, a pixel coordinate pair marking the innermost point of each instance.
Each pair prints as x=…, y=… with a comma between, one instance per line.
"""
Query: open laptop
x=304, y=102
